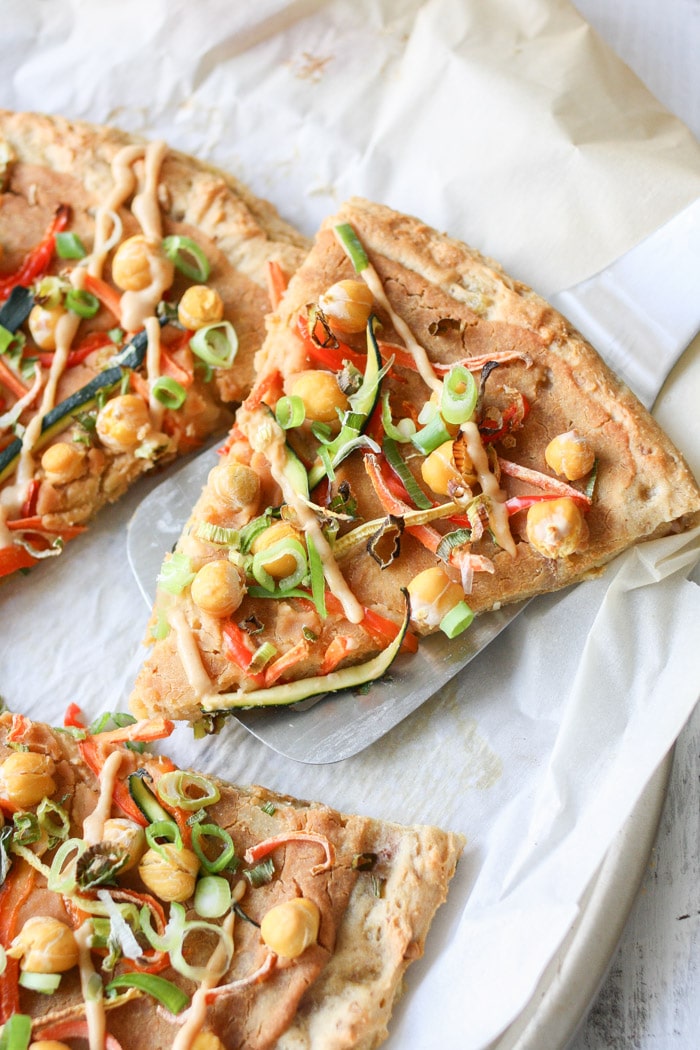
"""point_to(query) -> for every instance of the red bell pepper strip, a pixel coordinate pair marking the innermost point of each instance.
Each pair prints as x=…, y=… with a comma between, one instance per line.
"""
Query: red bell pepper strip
x=331, y=357
x=286, y=662
x=34, y=524
x=270, y=387
x=37, y=261
x=14, y=558
x=29, y=505
x=20, y=873
x=543, y=481
x=74, y=1029
x=76, y=356
x=382, y=629
x=74, y=717
x=94, y=759
x=238, y=649
x=513, y=417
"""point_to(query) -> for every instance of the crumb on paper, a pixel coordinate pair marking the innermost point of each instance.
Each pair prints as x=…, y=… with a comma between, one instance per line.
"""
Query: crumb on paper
x=311, y=67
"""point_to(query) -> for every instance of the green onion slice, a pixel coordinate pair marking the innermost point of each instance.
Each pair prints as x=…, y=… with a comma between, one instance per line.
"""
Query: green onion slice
x=261, y=874
x=207, y=530
x=53, y=820
x=164, y=991
x=402, y=431
x=82, y=303
x=261, y=658
x=459, y=395
x=400, y=467
x=456, y=620
x=290, y=411
x=62, y=876
x=49, y=291
x=176, y=573
x=189, y=791
x=46, y=983
x=431, y=436
x=163, y=829
x=169, y=392
x=216, y=344
x=452, y=540
x=352, y=246
x=227, y=849
x=16, y=1032
x=187, y=257
x=290, y=546
x=198, y=973
x=69, y=246
x=212, y=896
x=173, y=932
x=318, y=581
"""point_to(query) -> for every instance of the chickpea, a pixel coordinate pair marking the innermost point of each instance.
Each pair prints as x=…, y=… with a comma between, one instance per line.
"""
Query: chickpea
x=433, y=594
x=285, y=564
x=26, y=777
x=171, y=879
x=556, y=528
x=438, y=470
x=236, y=484
x=200, y=306
x=45, y=945
x=217, y=588
x=321, y=395
x=135, y=261
x=63, y=462
x=123, y=422
x=347, y=305
x=206, y=1040
x=570, y=454
x=289, y=928
x=129, y=836
x=48, y=1044
x=42, y=323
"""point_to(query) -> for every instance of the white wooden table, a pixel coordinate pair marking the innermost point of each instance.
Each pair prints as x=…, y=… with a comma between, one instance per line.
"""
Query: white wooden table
x=650, y=999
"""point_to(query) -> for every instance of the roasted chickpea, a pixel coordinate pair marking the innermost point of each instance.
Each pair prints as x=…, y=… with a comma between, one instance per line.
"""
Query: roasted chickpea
x=433, y=594
x=42, y=323
x=217, y=588
x=570, y=454
x=321, y=395
x=236, y=484
x=281, y=530
x=26, y=777
x=135, y=262
x=289, y=928
x=556, y=528
x=207, y=1041
x=438, y=470
x=129, y=836
x=123, y=422
x=173, y=877
x=45, y=945
x=63, y=462
x=48, y=1044
x=200, y=306
x=346, y=305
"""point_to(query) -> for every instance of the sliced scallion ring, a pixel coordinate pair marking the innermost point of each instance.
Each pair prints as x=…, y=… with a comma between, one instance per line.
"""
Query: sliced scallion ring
x=62, y=877
x=432, y=435
x=286, y=546
x=207, y=530
x=227, y=849
x=459, y=395
x=160, y=989
x=198, y=973
x=212, y=896
x=456, y=620
x=69, y=246
x=16, y=1032
x=215, y=344
x=451, y=541
x=189, y=791
x=53, y=820
x=169, y=392
x=400, y=467
x=163, y=829
x=176, y=573
x=173, y=932
x=290, y=411
x=82, y=303
x=187, y=257
x=46, y=983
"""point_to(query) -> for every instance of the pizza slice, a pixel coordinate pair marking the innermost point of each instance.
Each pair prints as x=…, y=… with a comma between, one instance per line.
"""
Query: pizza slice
x=426, y=439
x=134, y=282
x=144, y=906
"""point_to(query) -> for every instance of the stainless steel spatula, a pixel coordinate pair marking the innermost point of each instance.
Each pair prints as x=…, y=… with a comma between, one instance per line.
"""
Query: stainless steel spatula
x=640, y=313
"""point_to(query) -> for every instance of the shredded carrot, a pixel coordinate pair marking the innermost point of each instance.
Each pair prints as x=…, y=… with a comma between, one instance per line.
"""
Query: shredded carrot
x=340, y=647
x=11, y=380
x=19, y=729
x=147, y=729
x=543, y=481
x=286, y=662
x=425, y=534
x=93, y=758
x=108, y=296
x=35, y=524
x=74, y=1029
x=277, y=281
x=261, y=849
x=269, y=389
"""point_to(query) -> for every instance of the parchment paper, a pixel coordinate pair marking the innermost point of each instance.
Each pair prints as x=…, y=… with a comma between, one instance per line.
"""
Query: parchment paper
x=512, y=126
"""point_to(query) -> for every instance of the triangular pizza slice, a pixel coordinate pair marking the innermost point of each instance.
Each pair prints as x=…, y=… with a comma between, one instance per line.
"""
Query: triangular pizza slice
x=426, y=439
x=143, y=905
x=134, y=282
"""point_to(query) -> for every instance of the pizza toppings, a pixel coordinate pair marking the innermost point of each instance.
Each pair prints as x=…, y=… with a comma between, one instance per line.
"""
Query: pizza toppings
x=570, y=454
x=290, y=927
x=556, y=528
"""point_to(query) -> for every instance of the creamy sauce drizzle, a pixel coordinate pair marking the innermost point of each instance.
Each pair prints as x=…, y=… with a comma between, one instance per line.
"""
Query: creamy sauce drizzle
x=189, y=654
x=197, y=1012
x=498, y=514
x=156, y=407
x=94, y=1008
x=94, y=824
